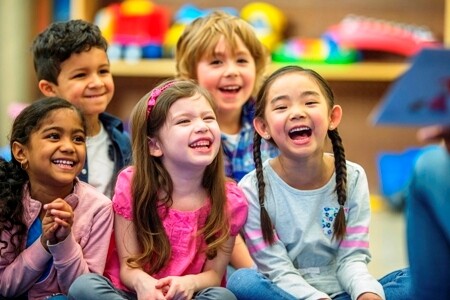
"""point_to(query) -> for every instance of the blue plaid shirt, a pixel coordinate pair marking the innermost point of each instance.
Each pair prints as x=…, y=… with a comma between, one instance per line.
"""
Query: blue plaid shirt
x=239, y=158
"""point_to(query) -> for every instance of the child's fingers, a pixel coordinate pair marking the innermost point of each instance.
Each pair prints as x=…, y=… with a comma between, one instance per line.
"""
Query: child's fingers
x=68, y=216
x=162, y=282
x=63, y=222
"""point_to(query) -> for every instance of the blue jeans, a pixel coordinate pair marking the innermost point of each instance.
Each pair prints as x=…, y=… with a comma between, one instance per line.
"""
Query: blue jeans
x=94, y=286
x=428, y=226
x=248, y=284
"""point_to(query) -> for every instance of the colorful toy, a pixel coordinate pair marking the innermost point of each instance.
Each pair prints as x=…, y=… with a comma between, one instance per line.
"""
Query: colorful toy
x=135, y=29
x=314, y=50
x=269, y=22
x=373, y=34
x=186, y=14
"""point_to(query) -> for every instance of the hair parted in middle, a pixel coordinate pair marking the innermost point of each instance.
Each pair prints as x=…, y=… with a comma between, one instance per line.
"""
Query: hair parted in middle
x=200, y=37
x=333, y=135
x=150, y=178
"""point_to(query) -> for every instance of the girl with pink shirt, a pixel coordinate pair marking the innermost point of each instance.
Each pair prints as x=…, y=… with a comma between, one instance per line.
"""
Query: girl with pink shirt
x=173, y=227
x=53, y=227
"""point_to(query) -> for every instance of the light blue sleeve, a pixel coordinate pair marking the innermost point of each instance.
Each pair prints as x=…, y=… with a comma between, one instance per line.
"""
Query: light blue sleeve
x=272, y=260
x=353, y=254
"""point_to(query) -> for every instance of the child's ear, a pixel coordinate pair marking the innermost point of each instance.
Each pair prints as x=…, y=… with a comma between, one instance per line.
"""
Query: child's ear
x=19, y=152
x=335, y=117
x=47, y=88
x=262, y=128
x=154, y=148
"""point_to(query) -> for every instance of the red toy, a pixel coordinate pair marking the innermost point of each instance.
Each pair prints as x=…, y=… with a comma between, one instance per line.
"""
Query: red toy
x=373, y=34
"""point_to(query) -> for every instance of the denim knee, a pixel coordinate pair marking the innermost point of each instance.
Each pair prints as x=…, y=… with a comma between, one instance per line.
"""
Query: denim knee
x=218, y=293
x=84, y=285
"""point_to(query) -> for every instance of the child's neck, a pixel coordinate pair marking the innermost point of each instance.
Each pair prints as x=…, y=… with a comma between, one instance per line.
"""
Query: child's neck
x=188, y=192
x=45, y=195
x=92, y=125
x=229, y=122
x=306, y=174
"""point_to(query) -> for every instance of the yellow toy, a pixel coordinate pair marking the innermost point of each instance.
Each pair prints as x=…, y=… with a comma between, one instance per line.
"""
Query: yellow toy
x=269, y=22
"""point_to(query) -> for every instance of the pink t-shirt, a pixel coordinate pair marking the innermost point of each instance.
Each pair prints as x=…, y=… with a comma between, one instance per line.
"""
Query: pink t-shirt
x=181, y=227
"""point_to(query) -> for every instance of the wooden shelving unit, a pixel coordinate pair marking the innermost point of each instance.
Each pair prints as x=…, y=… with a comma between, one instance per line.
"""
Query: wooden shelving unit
x=363, y=71
x=160, y=68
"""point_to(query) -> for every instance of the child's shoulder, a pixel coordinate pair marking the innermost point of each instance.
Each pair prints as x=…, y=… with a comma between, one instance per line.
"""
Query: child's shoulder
x=86, y=193
x=110, y=121
x=353, y=167
x=235, y=195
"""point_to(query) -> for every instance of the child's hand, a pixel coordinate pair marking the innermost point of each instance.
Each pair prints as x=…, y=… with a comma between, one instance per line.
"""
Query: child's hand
x=145, y=288
x=369, y=296
x=150, y=294
x=58, y=220
x=177, y=288
x=49, y=228
x=435, y=133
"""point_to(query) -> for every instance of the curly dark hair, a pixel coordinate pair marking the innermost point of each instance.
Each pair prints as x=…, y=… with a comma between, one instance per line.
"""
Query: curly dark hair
x=13, y=177
x=59, y=41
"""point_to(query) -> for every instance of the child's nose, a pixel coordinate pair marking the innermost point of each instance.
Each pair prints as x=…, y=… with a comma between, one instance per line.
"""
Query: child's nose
x=67, y=145
x=96, y=80
x=201, y=126
x=231, y=70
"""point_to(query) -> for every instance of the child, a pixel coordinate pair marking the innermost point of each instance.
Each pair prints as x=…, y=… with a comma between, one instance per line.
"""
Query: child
x=309, y=211
x=71, y=62
x=172, y=226
x=53, y=227
x=428, y=205
x=222, y=53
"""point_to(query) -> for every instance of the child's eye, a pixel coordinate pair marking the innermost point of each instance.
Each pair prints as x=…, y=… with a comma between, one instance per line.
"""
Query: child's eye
x=79, y=75
x=312, y=102
x=104, y=71
x=182, y=121
x=215, y=62
x=280, y=107
x=209, y=118
x=53, y=136
x=242, y=60
x=79, y=139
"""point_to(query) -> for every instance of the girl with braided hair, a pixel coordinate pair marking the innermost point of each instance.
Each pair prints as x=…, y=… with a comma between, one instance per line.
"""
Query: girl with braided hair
x=309, y=211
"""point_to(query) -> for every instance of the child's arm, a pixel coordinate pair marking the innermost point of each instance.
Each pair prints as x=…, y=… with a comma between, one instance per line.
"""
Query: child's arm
x=184, y=287
x=240, y=257
x=273, y=260
x=135, y=279
x=77, y=255
x=21, y=273
x=353, y=252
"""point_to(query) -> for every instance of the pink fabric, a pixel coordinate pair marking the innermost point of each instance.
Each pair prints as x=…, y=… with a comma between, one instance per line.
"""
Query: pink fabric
x=81, y=252
x=181, y=227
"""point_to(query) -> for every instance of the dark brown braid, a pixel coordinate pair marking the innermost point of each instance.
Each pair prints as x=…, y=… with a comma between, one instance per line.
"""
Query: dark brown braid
x=341, y=182
x=338, y=150
x=266, y=223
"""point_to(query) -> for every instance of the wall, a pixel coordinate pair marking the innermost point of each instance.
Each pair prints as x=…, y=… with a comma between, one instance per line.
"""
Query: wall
x=15, y=24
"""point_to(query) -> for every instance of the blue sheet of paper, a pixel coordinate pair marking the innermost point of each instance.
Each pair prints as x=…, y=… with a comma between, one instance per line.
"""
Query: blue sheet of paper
x=421, y=96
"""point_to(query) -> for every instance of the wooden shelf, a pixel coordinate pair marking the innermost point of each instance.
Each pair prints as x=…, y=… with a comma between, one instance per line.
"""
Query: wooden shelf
x=363, y=71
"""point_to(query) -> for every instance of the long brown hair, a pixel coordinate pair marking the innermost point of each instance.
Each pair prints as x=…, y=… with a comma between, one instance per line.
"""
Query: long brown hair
x=338, y=150
x=151, y=178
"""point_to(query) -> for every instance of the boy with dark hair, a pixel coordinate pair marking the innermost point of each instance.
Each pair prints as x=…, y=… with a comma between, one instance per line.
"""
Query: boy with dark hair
x=71, y=62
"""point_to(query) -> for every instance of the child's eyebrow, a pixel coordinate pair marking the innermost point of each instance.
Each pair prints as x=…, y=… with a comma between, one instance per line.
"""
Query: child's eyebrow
x=60, y=129
x=302, y=95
